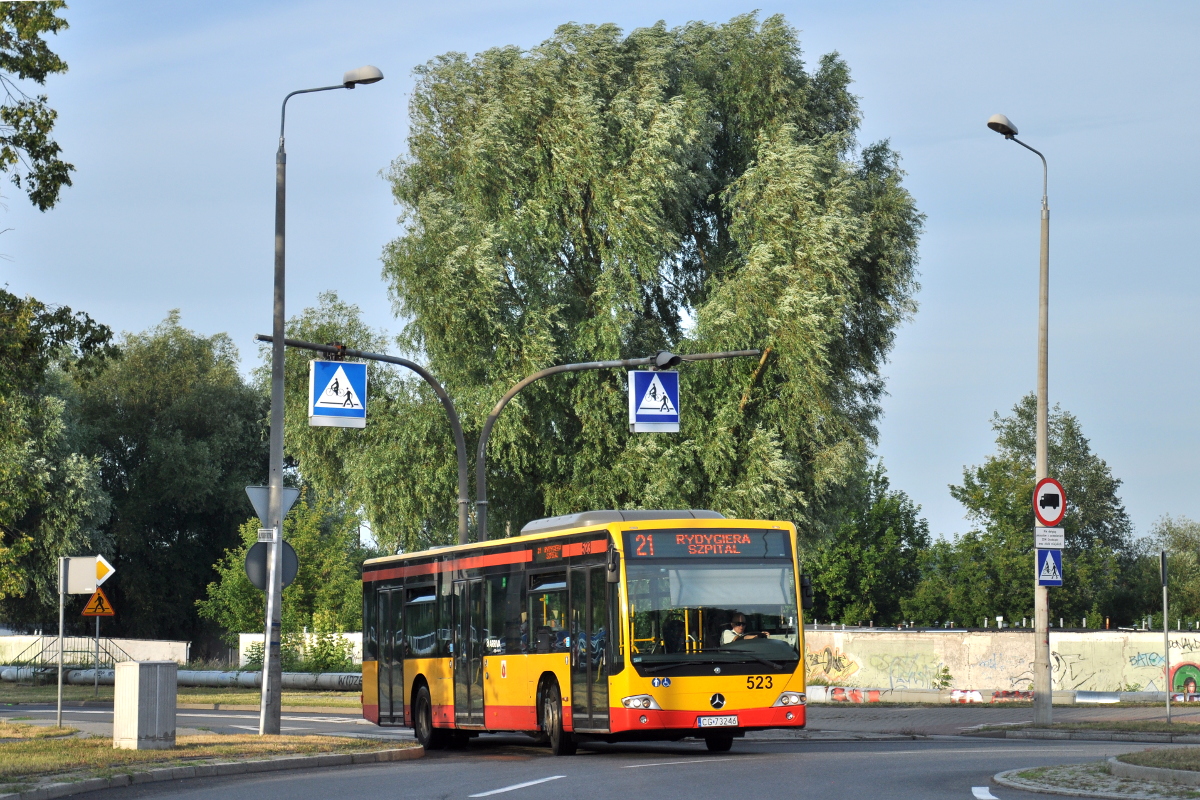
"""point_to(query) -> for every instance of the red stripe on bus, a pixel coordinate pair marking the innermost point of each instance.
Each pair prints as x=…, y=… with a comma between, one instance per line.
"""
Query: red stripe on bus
x=628, y=719
x=470, y=562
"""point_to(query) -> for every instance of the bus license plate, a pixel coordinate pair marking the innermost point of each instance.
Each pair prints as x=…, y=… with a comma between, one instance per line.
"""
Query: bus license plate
x=717, y=722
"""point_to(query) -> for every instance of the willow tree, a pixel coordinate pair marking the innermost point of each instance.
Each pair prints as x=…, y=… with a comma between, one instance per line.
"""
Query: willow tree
x=606, y=195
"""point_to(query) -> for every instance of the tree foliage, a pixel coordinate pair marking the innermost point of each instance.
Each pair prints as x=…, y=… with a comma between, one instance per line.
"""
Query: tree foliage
x=605, y=196
x=51, y=501
x=27, y=150
x=179, y=435
x=989, y=571
x=871, y=559
x=326, y=596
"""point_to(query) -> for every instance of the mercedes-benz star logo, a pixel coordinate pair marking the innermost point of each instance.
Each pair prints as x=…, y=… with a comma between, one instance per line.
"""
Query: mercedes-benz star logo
x=717, y=700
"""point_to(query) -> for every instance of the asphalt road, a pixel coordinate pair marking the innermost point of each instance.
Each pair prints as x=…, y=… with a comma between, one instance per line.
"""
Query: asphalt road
x=828, y=764
x=507, y=767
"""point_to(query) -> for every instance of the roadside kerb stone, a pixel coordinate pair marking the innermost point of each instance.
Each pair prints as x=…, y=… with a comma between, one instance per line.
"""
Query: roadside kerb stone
x=1185, y=777
x=1089, y=736
x=55, y=790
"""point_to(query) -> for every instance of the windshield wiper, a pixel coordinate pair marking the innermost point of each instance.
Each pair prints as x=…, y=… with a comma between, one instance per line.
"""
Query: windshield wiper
x=659, y=667
x=736, y=651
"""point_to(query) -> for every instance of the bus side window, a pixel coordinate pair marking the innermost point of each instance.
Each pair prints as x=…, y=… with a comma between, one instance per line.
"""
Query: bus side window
x=547, y=613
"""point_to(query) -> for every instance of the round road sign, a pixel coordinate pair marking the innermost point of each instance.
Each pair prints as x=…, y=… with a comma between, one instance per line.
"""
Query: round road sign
x=256, y=565
x=1049, y=502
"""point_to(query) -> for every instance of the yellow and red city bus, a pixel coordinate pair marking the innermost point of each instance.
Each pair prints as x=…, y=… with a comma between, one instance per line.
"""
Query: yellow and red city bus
x=604, y=625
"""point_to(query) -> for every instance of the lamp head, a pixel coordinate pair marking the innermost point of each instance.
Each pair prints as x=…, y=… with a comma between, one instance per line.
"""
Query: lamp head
x=664, y=359
x=363, y=75
x=1002, y=125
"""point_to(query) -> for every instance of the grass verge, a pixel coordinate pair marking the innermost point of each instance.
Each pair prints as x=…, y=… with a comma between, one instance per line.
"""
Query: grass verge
x=95, y=757
x=1166, y=758
x=15, y=730
x=1095, y=777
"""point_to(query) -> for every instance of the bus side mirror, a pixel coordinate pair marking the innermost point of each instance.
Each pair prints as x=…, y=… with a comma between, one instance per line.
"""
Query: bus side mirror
x=806, y=593
x=613, y=573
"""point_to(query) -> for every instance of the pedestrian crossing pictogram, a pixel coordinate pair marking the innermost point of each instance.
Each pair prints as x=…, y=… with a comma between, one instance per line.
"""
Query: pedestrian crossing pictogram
x=656, y=400
x=338, y=393
x=98, y=605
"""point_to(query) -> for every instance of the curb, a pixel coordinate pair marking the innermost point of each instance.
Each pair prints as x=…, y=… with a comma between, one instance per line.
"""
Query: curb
x=1004, y=779
x=54, y=790
x=1090, y=736
x=1179, y=777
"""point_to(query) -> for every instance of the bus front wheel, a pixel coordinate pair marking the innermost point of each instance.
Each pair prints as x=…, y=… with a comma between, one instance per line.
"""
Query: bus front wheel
x=719, y=742
x=428, y=736
x=562, y=743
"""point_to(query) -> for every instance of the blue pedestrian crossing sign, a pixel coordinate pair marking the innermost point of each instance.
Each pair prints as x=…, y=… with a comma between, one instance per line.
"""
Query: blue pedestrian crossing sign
x=337, y=394
x=1049, y=568
x=653, y=402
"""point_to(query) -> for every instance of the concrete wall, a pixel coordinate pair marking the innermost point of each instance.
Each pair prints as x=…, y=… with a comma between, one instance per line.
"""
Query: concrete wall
x=247, y=639
x=138, y=649
x=1103, y=661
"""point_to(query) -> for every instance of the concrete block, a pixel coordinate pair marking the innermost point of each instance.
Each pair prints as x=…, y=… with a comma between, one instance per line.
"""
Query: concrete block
x=144, y=705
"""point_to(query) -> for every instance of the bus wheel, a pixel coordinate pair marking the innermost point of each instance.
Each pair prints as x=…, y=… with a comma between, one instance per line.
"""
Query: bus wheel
x=719, y=742
x=428, y=736
x=561, y=742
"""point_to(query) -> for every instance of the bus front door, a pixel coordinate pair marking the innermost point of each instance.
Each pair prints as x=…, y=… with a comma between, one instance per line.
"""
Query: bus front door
x=589, y=634
x=468, y=652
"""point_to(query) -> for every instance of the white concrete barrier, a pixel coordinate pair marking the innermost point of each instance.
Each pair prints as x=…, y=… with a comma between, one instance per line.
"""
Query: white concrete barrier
x=328, y=681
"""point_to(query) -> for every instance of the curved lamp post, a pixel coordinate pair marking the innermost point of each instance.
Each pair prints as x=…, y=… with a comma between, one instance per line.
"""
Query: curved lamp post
x=1042, y=705
x=660, y=360
x=269, y=711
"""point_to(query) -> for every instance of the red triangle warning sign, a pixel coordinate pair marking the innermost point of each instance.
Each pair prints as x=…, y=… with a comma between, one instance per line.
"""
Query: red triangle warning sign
x=98, y=605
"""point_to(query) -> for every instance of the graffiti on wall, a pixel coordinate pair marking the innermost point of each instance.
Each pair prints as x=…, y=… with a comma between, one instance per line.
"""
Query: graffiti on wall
x=1069, y=671
x=830, y=665
x=1185, y=677
x=1147, y=660
x=910, y=670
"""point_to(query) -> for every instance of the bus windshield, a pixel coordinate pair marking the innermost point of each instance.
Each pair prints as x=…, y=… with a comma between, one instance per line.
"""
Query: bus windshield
x=685, y=611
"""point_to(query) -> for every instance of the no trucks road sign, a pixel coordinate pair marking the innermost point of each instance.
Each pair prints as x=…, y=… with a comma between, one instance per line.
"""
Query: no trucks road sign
x=1049, y=502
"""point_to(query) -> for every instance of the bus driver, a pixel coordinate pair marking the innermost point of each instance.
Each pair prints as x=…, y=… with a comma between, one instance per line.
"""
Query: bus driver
x=738, y=631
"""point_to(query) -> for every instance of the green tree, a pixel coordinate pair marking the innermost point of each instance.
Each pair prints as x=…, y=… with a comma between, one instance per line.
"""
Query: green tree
x=27, y=150
x=51, y=501
x=989, y=571
x=179, y=435
x=1180, y=537
x=326, y=595
x=871, y=559
x=604, y=196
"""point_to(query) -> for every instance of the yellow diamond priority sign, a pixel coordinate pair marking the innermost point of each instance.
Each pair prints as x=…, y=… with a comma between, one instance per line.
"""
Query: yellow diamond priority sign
x=98, y=605
x=104, y=570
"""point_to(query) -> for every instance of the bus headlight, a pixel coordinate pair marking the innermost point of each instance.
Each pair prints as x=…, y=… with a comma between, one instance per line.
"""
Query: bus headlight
x=640, y=701
x=791, y=699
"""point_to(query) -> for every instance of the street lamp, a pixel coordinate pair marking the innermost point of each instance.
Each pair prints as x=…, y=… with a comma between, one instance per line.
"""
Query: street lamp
x=269, y=710
x=1042, y=700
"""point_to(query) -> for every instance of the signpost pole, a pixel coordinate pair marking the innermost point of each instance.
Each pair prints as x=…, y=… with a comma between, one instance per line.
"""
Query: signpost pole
x=96, y=671
x=1166, y=638
x=62, y=595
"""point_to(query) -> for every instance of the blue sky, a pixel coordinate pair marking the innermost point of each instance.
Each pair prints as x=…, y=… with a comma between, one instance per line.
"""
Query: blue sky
x=170, y=113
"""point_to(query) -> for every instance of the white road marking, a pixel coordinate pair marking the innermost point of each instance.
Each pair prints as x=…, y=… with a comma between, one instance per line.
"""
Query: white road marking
x=983, y=793
x=671, y=763
x=255, y=728
x=516, y=786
